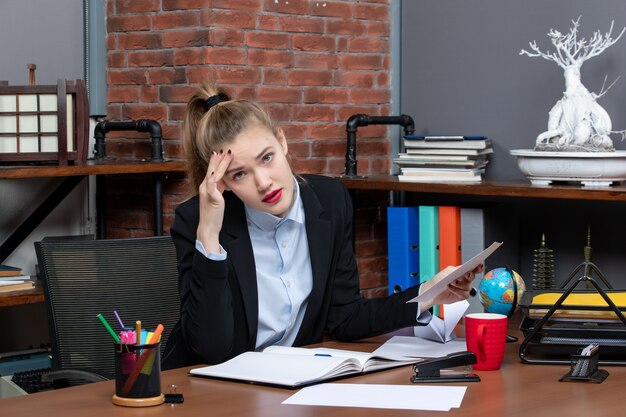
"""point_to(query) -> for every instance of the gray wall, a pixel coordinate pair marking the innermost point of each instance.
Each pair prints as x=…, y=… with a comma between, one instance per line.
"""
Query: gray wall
x=461, y=72
x=48, y=33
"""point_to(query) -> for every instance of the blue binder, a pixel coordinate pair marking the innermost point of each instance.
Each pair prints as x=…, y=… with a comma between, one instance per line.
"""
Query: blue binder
x=403, y=246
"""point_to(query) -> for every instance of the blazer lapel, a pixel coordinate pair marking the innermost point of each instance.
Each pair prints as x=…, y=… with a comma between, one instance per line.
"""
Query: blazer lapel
x=319, y=236
x=236, y=241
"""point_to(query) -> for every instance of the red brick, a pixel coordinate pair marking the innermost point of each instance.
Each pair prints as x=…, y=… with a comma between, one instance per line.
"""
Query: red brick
x=371, y=279
x=267, y=22
x=299, y=148
x=136, y=112
x=372, y=131
x=225, y=37
x=342, y=44
x=136, y=6
x=361, y=62
x=126, y=76
x=178, y=94
x=382, y=80
x=301, y=24
x=229, y=19
x=116, y=59
x=326, y=95
x=310, y=77
x=269, y=58
x=235, y=75
x=310, y=166
x=343, y=27
x=293, y=130
x=313, y=60
x=150, y=58
x=175, y=20
x=172, y=130
x=167, y=76
x=323, y=148
x=313, y=113
x=267, y=40
x=326, y=131
x=332, y=9
x=371, y=11
x=148, y=94
x=225, y=56
x=185, y=4
x=370, y=95
x=295, y=7
x=355, y=78
x=344, y=112
x=380, y=166
x=378, y=29
x=254, y=5
x=368, y=45
x=313, y=42
x=274, y=77
x=186, y=38
x=278, y=112
x=279, y=95
x=111, y=42
x=122, y=94
x=373, y=146
x=371, y=247
x=128, y=23
x=243, y=92
x=114, y=111
x=139, y=41
x=189, y=56
x=176, y=111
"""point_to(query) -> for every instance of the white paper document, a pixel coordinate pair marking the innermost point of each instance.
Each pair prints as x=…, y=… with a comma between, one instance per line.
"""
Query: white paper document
x=416, y=347
x=456, y=274
x=399, y=397
x=442, y=330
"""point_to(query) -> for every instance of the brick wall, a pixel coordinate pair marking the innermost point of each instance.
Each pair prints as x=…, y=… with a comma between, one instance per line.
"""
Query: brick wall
x=311, y=64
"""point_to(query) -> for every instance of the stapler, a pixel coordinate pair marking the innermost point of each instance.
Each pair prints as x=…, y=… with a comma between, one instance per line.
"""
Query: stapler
x=430, y=369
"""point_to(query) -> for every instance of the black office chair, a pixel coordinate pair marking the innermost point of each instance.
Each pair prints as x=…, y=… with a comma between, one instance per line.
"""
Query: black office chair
x=137, y=277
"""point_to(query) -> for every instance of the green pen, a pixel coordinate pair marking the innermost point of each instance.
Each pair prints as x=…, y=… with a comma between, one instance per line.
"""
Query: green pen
x=109, y=329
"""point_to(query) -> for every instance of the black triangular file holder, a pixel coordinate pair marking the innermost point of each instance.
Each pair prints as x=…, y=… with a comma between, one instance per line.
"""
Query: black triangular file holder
x=585, y=278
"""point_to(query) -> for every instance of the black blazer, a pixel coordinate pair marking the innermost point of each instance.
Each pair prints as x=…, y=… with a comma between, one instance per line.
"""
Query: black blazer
x=219, y=301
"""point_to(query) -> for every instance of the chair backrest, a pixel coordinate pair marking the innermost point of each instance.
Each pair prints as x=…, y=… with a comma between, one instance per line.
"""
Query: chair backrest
x=137, y=277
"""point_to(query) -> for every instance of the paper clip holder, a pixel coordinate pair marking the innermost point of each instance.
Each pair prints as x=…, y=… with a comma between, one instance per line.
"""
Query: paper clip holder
x=430, y=370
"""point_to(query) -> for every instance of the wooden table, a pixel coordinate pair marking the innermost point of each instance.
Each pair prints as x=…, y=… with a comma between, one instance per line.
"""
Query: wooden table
x=514, y=390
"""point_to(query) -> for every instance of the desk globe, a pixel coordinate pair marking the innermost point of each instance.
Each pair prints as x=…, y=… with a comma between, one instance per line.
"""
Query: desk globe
x=496, y=291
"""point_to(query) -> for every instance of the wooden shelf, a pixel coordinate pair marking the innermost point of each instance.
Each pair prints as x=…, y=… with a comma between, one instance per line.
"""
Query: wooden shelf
x=31, y=296
x=499, y=188
x=106, y=167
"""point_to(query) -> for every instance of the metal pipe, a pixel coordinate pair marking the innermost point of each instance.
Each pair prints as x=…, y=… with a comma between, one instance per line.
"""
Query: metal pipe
x=357, y=120
x=144, y=125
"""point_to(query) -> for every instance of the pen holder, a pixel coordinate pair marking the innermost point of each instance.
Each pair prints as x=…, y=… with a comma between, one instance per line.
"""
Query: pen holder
x=585, y=368
x=137, y=375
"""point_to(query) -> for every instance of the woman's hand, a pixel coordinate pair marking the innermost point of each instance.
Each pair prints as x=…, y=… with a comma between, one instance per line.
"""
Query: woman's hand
x=457, y=290
x=212, y=201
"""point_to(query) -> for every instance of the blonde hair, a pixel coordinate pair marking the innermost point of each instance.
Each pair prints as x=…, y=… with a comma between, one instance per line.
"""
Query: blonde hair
x=211, y=127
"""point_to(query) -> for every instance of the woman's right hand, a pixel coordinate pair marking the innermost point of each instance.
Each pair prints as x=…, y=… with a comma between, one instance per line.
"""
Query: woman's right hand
x=212, y=201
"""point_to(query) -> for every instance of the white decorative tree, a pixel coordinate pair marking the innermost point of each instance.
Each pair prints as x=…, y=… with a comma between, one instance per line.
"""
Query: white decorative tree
x=576, y=122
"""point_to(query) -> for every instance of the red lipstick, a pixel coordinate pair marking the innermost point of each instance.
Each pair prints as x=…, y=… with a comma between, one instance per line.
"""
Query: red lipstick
x=273, y=196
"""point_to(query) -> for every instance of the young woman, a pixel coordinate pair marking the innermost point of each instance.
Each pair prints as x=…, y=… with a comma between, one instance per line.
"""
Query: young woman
x=265, y=256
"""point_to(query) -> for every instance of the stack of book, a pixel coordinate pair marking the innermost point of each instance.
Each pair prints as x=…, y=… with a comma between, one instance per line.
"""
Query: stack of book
x=11, y=279
x=443, y=158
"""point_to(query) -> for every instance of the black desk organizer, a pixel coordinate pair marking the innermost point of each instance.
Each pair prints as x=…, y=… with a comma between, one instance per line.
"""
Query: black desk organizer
x=585, y=368
x=553, y=341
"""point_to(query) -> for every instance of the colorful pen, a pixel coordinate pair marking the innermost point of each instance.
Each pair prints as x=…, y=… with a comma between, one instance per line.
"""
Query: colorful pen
x=138, y=332
x=119, y=320
x=109, y=329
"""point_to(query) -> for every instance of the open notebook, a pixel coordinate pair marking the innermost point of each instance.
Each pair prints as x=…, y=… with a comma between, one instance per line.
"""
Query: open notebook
x=295, y=367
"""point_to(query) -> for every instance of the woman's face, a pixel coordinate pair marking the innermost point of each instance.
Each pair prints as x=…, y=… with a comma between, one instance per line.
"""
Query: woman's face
x=259, y=173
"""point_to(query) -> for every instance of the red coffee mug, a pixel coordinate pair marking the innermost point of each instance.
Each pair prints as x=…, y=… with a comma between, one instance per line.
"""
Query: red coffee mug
x=485, y=335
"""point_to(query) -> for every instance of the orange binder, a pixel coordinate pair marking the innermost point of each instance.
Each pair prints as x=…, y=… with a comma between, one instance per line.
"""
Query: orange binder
x=449, y=238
